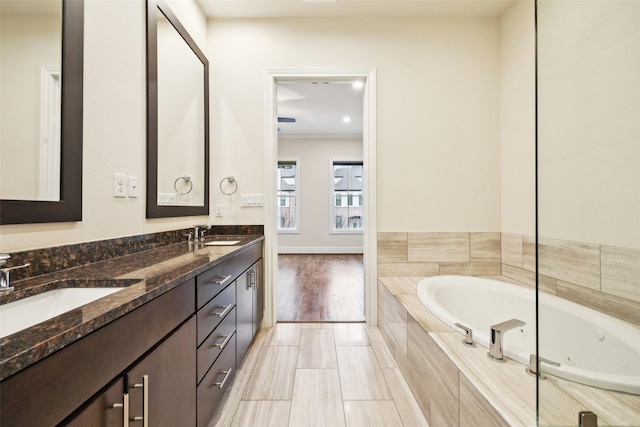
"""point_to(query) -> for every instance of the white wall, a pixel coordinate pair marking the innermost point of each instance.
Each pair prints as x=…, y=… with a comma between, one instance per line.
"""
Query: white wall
x=517, y=119
x=437, y=114
x=589, y=141
x=114, y=129
x=314, y=157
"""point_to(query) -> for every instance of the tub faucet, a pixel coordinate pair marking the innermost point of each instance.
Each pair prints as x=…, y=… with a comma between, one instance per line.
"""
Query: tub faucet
x=495, y=340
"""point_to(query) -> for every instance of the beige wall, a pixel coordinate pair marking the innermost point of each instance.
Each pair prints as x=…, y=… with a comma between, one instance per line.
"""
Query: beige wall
x=314, y=157
x=589, y=97
x=517, y=119
x=114, y=129
x=437, y=109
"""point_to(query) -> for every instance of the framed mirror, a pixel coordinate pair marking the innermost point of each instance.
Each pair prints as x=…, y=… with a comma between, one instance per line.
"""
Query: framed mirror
x=41, y=120
x=177, y=118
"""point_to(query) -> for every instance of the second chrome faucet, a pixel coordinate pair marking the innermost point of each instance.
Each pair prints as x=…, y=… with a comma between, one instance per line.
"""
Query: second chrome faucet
x=495, y=340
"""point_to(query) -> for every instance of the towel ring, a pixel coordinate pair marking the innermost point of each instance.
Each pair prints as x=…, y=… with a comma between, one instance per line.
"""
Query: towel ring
x=186, y=185
x=231, y=180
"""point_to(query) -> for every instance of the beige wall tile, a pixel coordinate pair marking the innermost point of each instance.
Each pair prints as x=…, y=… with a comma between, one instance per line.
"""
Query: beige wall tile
x=380, y=348
x=317, y=349
x=574, y=262
x=621, y=272
x=418, y=387
x=612, y=305
x=511, y=249
x=396, y=317
x=371, y=413
x=472, y=269
x=360, y=376
x=392, y=247
x=521, y=275
x=529, y=253
x=401, y=285
x=484, y=247
x=474, y=409
x=316, y=399
x=406, y=403
x=438, y=372
x=273, y=375
x=400, y=269
x=438, y=247
x=262, y=413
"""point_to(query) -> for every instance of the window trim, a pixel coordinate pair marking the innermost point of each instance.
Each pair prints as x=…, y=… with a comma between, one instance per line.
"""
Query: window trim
x=297, y=193
x=332, y=196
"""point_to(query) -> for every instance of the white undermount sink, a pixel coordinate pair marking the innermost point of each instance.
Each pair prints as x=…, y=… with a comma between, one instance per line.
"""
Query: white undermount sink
x=222, y=243
x=26, y=312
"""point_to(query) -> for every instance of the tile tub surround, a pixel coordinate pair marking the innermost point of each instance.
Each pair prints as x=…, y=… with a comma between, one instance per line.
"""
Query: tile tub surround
x=452, y=382
x=150, y=273
x=603, y=277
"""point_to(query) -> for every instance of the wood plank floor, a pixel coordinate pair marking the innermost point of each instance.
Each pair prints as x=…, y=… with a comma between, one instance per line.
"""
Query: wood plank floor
x=320, y=288
x=319, y=374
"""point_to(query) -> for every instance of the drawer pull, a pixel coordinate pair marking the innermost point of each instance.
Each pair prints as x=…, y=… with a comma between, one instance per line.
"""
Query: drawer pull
x=222, y=281
x=145, y=401
x=224, y=380
x=227, y=308
x=125, y=409
x=224, y=343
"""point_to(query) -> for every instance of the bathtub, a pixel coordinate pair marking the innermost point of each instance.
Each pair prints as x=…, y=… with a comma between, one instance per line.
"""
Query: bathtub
x=591, y=347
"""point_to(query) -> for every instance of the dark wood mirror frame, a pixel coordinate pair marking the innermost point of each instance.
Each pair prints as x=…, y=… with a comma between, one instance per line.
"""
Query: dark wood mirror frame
x=153, y=209
x=69, y=208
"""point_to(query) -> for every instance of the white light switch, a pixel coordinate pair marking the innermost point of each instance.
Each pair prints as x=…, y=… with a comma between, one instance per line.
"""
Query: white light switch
x=250, y=200
x=119, y=185
x=133, y=186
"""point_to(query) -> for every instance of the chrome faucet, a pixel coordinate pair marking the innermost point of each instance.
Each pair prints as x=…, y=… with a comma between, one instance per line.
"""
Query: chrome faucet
x=199, y=231
x=5, y=284
x=495, y=340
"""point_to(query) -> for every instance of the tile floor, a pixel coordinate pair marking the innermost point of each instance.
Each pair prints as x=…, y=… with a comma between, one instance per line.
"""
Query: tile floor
x=320, y=374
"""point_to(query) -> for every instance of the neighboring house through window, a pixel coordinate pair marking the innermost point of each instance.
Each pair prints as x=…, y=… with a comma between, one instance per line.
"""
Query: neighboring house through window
x=347, y=196
x=287, y=196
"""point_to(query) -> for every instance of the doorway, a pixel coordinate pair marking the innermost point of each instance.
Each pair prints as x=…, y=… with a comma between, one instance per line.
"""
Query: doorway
x=368, y=242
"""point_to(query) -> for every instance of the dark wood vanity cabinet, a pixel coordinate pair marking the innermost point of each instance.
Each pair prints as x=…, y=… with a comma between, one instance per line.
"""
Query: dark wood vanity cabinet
x=159, y=387
x=250, y=307
x=180, y=349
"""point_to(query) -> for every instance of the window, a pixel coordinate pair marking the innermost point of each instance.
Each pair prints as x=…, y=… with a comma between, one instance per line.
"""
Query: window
x=287, y=196
x=347, y=196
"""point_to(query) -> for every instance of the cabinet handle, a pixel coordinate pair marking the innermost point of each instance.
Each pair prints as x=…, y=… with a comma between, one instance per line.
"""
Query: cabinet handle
x=125, y=409
x=227, y=308
x=222, y=281
x=252, y=278
x=145, y=401
x=224, y=380
x=226, y=340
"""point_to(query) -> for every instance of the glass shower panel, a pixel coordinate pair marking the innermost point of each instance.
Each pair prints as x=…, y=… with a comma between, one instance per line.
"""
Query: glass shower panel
x=588, y=248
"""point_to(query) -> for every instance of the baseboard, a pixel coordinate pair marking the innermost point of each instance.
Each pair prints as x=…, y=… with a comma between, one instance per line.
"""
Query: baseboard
x=320, y=250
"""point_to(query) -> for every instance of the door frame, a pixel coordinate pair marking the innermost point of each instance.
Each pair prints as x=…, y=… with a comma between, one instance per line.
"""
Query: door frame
x=272, y=76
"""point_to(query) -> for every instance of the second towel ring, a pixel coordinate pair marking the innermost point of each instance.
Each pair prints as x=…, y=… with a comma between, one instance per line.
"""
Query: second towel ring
x=231, y=180
x=187, y=185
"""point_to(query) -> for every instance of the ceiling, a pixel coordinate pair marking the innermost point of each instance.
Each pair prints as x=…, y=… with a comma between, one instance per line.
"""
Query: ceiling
x=321, y=107
x=350, y=8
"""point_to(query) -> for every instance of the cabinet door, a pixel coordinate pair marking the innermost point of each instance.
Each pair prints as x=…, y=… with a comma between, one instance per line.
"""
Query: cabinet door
x=258, y=296
x=101, y=412
x=169, y=371
x=244, y=315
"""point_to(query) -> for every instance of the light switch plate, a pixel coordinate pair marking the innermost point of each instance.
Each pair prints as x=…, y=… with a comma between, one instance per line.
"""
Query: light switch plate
x=133, y=186
x=250, y=200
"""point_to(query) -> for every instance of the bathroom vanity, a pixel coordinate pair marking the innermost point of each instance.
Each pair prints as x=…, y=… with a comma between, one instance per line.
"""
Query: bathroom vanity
x=161, y=351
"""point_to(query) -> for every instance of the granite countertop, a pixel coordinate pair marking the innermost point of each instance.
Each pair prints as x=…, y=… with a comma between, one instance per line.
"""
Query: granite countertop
x=144, y=276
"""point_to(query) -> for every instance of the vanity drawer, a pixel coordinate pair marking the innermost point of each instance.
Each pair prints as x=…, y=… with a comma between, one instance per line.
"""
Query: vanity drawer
x=215, y=343
x=215, y=383
x=214, y=280
x=212, y=314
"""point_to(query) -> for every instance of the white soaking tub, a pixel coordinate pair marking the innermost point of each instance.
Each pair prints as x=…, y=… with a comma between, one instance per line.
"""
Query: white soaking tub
x=591, y=347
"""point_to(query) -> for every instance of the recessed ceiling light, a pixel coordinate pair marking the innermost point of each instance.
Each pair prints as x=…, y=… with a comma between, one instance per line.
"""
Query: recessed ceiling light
x=346, y=119
x=358, y=85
